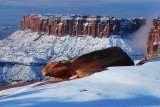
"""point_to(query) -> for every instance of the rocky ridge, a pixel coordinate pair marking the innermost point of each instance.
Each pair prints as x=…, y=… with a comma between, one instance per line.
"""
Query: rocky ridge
x=153, y=40
x=80, y=25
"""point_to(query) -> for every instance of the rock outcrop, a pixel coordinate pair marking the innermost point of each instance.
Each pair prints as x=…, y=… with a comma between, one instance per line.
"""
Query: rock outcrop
x=81, y=73
x=80, y=25
x=153, y=41
x=149, y=57
x=87, y=64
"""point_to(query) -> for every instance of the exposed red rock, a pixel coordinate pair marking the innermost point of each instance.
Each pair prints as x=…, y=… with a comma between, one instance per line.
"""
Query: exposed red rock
x=27, y=83
x=80, y=25
x=149, y=57
x=49, y=82
x=3, y=95
x=153, y=41
x=16, y=85
x=95, y=61
x=81, y=73
x=60, y=70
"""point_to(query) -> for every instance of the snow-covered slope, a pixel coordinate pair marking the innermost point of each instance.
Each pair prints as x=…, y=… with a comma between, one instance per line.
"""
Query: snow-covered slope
x=24, y=53
x=27, y=47
x=119, y=86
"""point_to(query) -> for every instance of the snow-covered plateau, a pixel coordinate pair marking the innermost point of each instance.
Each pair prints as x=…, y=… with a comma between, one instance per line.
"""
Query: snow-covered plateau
x=127, y=86
x=24, y=54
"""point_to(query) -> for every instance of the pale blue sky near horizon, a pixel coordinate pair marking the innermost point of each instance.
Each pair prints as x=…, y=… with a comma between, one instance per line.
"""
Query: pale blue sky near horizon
x=11, y=11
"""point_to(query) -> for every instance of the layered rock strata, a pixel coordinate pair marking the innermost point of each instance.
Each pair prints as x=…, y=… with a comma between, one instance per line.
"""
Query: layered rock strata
x=80, y=25
x=153, y=40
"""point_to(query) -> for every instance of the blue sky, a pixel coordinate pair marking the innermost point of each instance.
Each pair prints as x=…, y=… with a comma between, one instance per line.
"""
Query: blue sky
x=11, y=11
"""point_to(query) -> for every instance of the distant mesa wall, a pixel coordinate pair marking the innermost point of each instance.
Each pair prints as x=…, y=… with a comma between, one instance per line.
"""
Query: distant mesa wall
x=153, y=40
x=80, y=25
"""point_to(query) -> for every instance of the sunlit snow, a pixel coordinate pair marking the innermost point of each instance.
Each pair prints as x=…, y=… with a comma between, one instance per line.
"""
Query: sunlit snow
x=118, y=86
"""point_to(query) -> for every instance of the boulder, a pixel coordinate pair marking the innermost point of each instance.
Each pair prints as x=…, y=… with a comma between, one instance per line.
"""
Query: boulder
x=55, y=69
x=88, y=64
x=81, y=73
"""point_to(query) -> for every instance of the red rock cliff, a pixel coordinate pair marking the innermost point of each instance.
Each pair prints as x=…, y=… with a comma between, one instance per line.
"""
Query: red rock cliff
x=153, y=40
x=80, y=25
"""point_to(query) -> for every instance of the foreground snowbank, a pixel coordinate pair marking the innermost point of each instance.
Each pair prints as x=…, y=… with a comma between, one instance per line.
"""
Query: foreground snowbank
x=118, y=86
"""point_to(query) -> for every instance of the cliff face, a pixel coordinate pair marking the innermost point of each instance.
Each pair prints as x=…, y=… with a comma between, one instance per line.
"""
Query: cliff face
x=80, y=25
x=153, y=40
